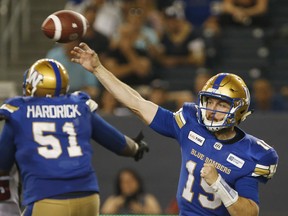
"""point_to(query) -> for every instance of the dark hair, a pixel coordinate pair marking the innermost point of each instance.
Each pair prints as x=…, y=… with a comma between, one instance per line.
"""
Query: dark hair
x=136, y=176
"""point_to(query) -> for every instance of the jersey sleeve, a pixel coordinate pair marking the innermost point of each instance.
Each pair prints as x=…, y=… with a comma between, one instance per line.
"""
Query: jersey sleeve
x=106, y=135
x=266, y=166
x=248, y=187
x=168, y=123
x=7, y=147
x=164, y=123
x=9, y=107
x=82, y=96
x=181, y=116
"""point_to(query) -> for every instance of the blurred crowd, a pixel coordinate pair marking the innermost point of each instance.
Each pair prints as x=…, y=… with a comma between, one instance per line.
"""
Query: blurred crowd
x=166, y=49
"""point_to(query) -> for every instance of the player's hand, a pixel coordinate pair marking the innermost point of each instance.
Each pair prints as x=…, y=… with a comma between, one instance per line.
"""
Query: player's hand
x=85, y=56
x=142, y=146
x=209, y=173
x=4, y=188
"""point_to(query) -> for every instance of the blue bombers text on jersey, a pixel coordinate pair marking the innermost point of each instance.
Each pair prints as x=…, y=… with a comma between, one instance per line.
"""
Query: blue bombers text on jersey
x=242, y=163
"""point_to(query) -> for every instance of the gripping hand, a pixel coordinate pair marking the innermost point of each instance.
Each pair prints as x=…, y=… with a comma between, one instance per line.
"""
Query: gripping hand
x=142, y=146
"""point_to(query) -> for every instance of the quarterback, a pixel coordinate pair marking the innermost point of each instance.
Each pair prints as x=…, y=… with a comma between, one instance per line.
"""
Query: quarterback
x=221, y=164
x=47, y=133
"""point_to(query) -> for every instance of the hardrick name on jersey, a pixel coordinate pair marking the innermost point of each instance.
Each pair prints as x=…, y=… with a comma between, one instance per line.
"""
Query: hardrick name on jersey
x=53, y=111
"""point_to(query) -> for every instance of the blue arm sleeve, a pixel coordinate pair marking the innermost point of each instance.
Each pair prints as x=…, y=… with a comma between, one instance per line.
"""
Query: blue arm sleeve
x=7, y=147
x=164, y=123
x=106, y=135
x=248, y=187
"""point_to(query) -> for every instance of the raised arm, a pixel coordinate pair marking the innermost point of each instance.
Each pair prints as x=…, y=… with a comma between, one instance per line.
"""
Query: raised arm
x=146, y=110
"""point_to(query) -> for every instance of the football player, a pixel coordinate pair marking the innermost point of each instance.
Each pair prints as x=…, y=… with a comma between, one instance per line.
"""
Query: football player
x=221, y=164
x=47, y=132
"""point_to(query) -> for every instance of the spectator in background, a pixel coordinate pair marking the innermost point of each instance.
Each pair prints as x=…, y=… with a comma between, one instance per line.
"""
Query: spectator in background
x=79, y=78
x=180, y=97
x=107, y=103
x=93, y=37
x=81, y=5
x=110, y=106
x=146, y=37
x=111, y=15
x=162, y=4
x=202, y=76
x=108, y=16
x=264, y=97
x=153, y=15
x=203, y=15
x=159, y=94
x=244, y=12
x=128, y=63
x=130, y=196
x=180, y=43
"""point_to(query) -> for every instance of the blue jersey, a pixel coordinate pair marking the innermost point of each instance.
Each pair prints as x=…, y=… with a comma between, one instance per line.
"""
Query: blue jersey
x=50, y=140
x=242, y=163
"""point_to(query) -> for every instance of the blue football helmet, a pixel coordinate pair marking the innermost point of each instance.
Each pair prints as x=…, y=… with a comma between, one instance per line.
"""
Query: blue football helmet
x=46, y=78
x=231, y=89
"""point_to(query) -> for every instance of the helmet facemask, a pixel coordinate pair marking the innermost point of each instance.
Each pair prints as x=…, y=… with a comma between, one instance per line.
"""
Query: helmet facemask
x=214, y=125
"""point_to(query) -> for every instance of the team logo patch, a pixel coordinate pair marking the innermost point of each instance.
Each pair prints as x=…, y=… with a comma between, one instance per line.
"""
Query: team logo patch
x=34, y=79
x=199, y=140
x=218, y=146
x=233, y=159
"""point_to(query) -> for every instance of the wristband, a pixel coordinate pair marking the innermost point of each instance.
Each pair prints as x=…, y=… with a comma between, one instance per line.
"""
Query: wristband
x=227, y=194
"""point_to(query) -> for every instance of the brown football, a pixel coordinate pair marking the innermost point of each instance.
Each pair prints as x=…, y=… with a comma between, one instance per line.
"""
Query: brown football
x=65, y=26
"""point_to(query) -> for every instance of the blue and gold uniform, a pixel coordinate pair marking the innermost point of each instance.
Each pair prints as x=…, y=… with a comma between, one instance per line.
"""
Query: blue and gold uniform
x=221, y=164
x=50, y=138
x=242, y=162
x=47, y=132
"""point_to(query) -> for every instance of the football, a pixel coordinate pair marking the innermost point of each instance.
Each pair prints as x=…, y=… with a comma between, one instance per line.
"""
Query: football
x=65, y=26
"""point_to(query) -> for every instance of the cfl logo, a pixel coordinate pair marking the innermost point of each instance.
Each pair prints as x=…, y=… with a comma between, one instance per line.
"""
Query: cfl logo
x=218, y=146
x=34, y=79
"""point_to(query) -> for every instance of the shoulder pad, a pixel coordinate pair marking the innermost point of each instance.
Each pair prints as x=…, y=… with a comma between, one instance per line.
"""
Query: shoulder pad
x=15, y=101
x=82, y=96
x=189, y=107
x=266, y=160
x=92, y=105
x=10, y=106
x=182, y=114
